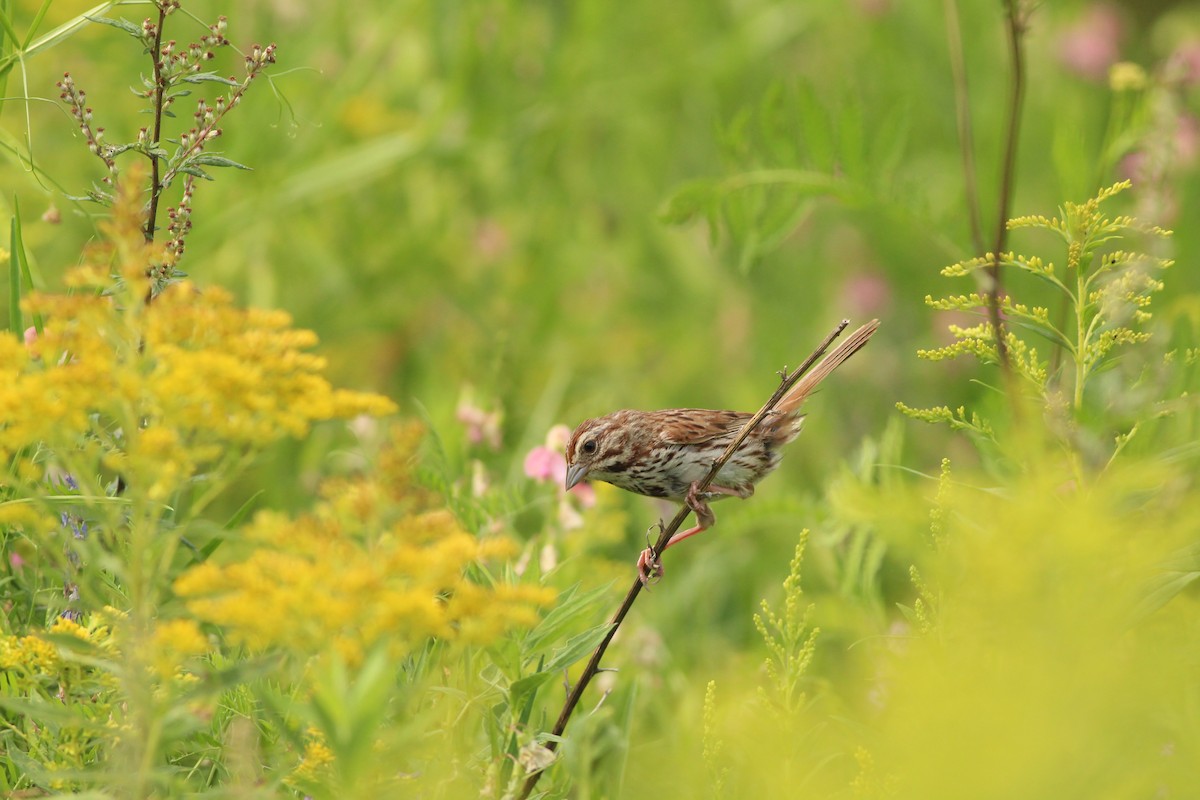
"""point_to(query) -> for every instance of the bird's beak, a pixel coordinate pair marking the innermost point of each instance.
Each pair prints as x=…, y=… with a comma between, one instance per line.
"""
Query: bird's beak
x=575, y=473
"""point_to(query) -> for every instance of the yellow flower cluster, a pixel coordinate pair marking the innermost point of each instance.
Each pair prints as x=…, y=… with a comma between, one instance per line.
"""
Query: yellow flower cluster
x=315, y=763
x=30, y=654
x=363, y=567
x=169, y=646
x=153, y=387
x=172, y=643
x=183, y=379
x=35, y=655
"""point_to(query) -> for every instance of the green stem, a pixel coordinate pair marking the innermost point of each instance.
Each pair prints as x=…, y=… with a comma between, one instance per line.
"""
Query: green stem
x=1082, y=334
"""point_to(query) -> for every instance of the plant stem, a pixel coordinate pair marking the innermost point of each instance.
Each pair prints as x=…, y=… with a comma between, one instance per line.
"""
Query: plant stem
x=156, y=59
x=593, y=665
x=1082, y=334
x=1015, y=29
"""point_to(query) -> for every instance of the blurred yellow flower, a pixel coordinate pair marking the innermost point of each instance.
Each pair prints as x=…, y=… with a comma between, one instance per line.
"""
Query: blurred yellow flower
x=1125, y=76
x=173, y=642
x=314, y=763
x=361, y=568
x=29, y=654
x=166, y=386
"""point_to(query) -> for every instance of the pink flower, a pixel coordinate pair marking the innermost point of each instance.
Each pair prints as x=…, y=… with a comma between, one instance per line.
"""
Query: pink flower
x=1132, y=166
x=866, y=294
x=482, y=426
x=548, y=462
x=491, y=240
x=874, y=8
x=584, y=493
x=1187, y=138
x=544, y=464
x=15, y=561
x=1184, y=64
x=1090, y=46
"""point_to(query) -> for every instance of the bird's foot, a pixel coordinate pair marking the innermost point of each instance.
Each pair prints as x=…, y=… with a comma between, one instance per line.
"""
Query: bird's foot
x=650, y=569
x=697, y=502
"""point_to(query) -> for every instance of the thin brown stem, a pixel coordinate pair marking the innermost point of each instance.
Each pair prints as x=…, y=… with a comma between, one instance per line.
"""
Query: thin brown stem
x=593, y=665
x=156, y=57
x=1015, y=28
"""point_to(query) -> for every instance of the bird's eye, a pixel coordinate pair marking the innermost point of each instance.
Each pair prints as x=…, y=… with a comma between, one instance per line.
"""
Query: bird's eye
x=589, y=447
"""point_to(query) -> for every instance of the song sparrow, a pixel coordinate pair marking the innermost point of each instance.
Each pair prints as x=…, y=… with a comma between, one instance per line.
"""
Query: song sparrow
x=665, y=453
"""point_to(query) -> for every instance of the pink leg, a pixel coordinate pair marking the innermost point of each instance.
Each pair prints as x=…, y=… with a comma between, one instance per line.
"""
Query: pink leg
x=648, y=566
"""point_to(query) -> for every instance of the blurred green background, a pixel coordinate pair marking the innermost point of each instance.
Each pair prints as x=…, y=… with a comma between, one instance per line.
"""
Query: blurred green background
x=471, y=200
x=458, y=194
x=468, y=197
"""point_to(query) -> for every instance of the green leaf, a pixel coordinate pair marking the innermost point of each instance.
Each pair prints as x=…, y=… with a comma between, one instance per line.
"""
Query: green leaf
x=815, y=129
x=851, y=156
x=692, y=199
x=195, y=172
x=123, y=24
x=568, y=615
x=37, y=22
x=14, y=283
x=209, y=77
x=217, y=161
x=54, y=37
x=7, y=25
x=1164, y=590
x=577, y=647
x=239, y=516
x=524, y=689
x=53, y=714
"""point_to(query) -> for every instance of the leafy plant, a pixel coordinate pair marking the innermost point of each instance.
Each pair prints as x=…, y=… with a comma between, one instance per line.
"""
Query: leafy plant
x=175, y=72
x=1104, y=294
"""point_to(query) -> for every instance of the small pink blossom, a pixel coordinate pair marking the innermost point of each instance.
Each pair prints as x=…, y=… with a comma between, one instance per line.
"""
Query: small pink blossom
x=874, y=8
x=482, y=426
x=548, y=463
x=544, y=464
x=30, y=336
x=866, y=294
x=585, y=494
x=491, y=240
x=1132, y=166
x=1187, y=138
x=1184, y=63
x=16, y=561
x=1090, y=46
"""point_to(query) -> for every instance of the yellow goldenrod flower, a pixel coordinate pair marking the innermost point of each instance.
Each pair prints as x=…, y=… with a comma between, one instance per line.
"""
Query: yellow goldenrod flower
x=181, y=381
x=1125, y=76
x=356, y=572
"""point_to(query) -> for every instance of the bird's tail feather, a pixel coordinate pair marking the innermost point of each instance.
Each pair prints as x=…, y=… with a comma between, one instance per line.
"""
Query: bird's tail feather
x=834, y=359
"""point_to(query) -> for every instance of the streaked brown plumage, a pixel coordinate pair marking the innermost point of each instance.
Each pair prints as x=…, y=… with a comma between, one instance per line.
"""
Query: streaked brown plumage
x=664, y=453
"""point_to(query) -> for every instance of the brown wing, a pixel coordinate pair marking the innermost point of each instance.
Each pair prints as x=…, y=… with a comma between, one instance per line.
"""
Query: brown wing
x=686, y=426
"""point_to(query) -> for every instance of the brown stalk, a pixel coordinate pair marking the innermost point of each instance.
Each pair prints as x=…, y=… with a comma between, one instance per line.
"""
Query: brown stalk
x=788, y=380
x=1015, y=28
x=156, y=56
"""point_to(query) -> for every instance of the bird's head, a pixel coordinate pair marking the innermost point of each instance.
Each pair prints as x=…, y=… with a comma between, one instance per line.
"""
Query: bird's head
x=598, y=449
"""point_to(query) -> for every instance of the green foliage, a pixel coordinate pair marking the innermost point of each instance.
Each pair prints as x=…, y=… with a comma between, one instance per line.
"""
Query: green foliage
x=789, y=638
x=811, y=151
x=510, y=216
x=173, y=73
x=1104, y=295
